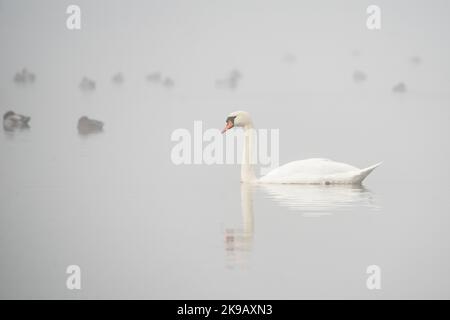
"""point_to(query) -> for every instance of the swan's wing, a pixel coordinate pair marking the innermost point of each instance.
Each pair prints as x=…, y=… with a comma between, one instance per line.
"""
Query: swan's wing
x=311, y=171
x=311, y=166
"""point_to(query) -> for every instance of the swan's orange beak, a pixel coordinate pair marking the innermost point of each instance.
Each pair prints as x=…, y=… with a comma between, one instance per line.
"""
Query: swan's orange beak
x=228, y=126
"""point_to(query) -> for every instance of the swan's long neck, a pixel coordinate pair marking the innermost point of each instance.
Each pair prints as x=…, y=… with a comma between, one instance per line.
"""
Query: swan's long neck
x=247, y=173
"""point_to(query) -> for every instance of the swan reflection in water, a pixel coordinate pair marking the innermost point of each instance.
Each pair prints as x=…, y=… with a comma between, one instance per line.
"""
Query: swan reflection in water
x=308, y=200
x=239, y=241
x=318, y=200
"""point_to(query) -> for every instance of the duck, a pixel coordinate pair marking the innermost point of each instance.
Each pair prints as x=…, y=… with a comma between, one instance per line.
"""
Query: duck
x=154, y=77
x=118, y=78
x=399, y=88
x=87, y=84
x=359, y=76
x=309, y=171
x=88, y=126
x=168, y=83
x=24, y=76
x=231, y=81
x=13, y=121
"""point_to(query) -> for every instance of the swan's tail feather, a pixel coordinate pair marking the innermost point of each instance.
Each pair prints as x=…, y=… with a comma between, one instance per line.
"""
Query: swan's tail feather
x=365, y=172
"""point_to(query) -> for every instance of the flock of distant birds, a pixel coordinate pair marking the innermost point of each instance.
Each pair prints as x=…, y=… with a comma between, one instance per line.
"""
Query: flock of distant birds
x=14, y=122
x=400, y=87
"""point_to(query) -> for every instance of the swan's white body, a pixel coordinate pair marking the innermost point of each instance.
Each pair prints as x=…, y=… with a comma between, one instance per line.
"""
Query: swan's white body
x=317, y=171
x=310, y=171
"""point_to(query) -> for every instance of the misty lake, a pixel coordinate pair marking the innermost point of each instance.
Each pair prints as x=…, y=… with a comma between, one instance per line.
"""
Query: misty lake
x=140, y=226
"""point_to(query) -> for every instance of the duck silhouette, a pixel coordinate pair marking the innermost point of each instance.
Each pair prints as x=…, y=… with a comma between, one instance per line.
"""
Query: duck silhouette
x=88, y=126
x=13, y=121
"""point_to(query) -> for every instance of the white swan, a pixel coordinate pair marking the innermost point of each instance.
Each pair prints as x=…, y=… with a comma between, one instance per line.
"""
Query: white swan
x=310, y=171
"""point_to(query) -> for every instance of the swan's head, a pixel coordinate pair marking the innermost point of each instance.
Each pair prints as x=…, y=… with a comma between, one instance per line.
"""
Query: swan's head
x=237, y=119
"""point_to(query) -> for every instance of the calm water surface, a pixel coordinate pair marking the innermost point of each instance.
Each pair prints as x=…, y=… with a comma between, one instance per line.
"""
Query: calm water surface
x=141, y=227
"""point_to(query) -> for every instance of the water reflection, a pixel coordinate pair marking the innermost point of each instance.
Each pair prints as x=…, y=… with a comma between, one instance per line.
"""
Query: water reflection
x=309, y=200
x=239, y=241
x=315, y=200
